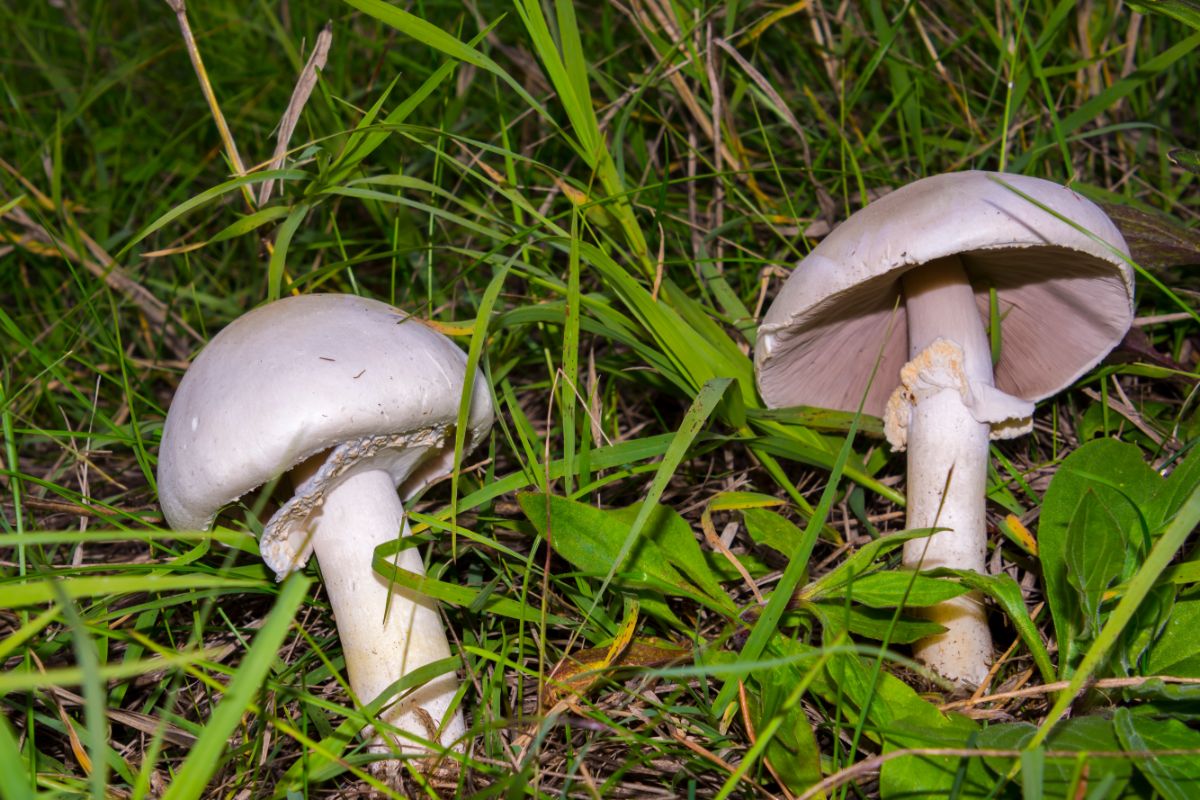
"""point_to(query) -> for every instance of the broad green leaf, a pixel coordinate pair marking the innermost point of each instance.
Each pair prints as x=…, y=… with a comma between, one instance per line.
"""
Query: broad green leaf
x=1008, y=595
x=592, y=539
x=1177, y=650
x=932, y=776
x=874, y=623
x=694, y=420
x=1146, y=626
x=863, y=560
x=1114, y=472
x=891, y=713
x=1180, y=484
x=1080, y=735
x=1181, y=700
x=1175, y=777
x=1094, y=552
x=672, y=533
x=1173, y=536
x=792, y=751
x=727, y=572
x=892, y=589
x=771, y=529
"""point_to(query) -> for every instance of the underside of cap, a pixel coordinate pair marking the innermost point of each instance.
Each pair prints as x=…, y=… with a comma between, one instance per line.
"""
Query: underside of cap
x=837, y=333
x=413, y=459
x=308, y=375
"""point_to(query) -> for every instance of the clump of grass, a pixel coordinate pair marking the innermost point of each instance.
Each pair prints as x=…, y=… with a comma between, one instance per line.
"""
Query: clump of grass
x=597, y=201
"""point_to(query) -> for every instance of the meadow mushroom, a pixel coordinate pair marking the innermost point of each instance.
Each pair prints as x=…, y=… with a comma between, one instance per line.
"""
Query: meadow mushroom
x=356, y=399
x=911, y=279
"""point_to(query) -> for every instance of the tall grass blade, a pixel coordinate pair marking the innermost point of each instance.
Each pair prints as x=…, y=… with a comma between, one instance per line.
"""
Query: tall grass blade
x=191, y=781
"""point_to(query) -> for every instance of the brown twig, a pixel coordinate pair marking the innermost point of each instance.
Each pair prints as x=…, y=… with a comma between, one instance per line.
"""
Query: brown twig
x=189, y=42
x=1058, y=686
x=872, y=764
x=304, y=87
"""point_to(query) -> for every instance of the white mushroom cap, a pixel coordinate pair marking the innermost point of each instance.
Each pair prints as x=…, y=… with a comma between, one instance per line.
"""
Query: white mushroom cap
x=1065, y=299
x=375, y=387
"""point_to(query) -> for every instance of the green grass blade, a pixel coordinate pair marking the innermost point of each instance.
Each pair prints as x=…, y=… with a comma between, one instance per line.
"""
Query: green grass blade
x=15, y=780
x=453, y=593
x=479, y=337
x=44, y=589
x=204, y=198
x=15, y=680
x=429, y=34
x=283, y=241
x=94, y=697
x=206, y=755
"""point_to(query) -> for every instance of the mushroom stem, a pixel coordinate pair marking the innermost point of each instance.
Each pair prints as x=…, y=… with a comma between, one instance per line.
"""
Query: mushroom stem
x=386, y=631
x=948, y=461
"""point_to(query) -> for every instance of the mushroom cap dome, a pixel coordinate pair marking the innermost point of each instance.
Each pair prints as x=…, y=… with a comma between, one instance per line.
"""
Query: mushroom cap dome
x=373, y=386
x=1065, y=294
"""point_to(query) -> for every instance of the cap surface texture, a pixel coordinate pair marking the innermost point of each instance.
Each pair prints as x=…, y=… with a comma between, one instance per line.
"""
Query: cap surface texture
x=1065, y=298
x=375, y=387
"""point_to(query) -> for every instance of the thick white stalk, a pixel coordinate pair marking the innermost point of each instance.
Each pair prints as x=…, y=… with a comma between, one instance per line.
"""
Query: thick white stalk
x=386, y=631
x=947, y=467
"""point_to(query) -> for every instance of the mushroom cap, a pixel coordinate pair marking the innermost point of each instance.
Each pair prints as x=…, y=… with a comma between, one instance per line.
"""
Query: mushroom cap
x=1065, y=297
x=373, y=386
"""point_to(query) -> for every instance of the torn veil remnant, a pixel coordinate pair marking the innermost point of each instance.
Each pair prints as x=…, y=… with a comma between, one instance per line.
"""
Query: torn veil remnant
x=907, y=281
x=354, y=400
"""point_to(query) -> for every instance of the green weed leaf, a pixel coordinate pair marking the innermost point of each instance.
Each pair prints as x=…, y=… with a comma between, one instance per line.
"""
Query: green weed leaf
x=1094, y=551
x=874, y=623
x=890, y=712
x=1175, y=777
x=1080, y=735
x=771, y=529
x=891, y=589
x=1007, y=593
x=1112, y=472
x=591, y=540
x=792, y=751
x=1177, y=649
x=673, y=535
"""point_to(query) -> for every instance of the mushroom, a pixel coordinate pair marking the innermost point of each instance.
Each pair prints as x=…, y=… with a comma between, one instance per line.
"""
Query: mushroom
x=357, y=400
x=909, y=280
